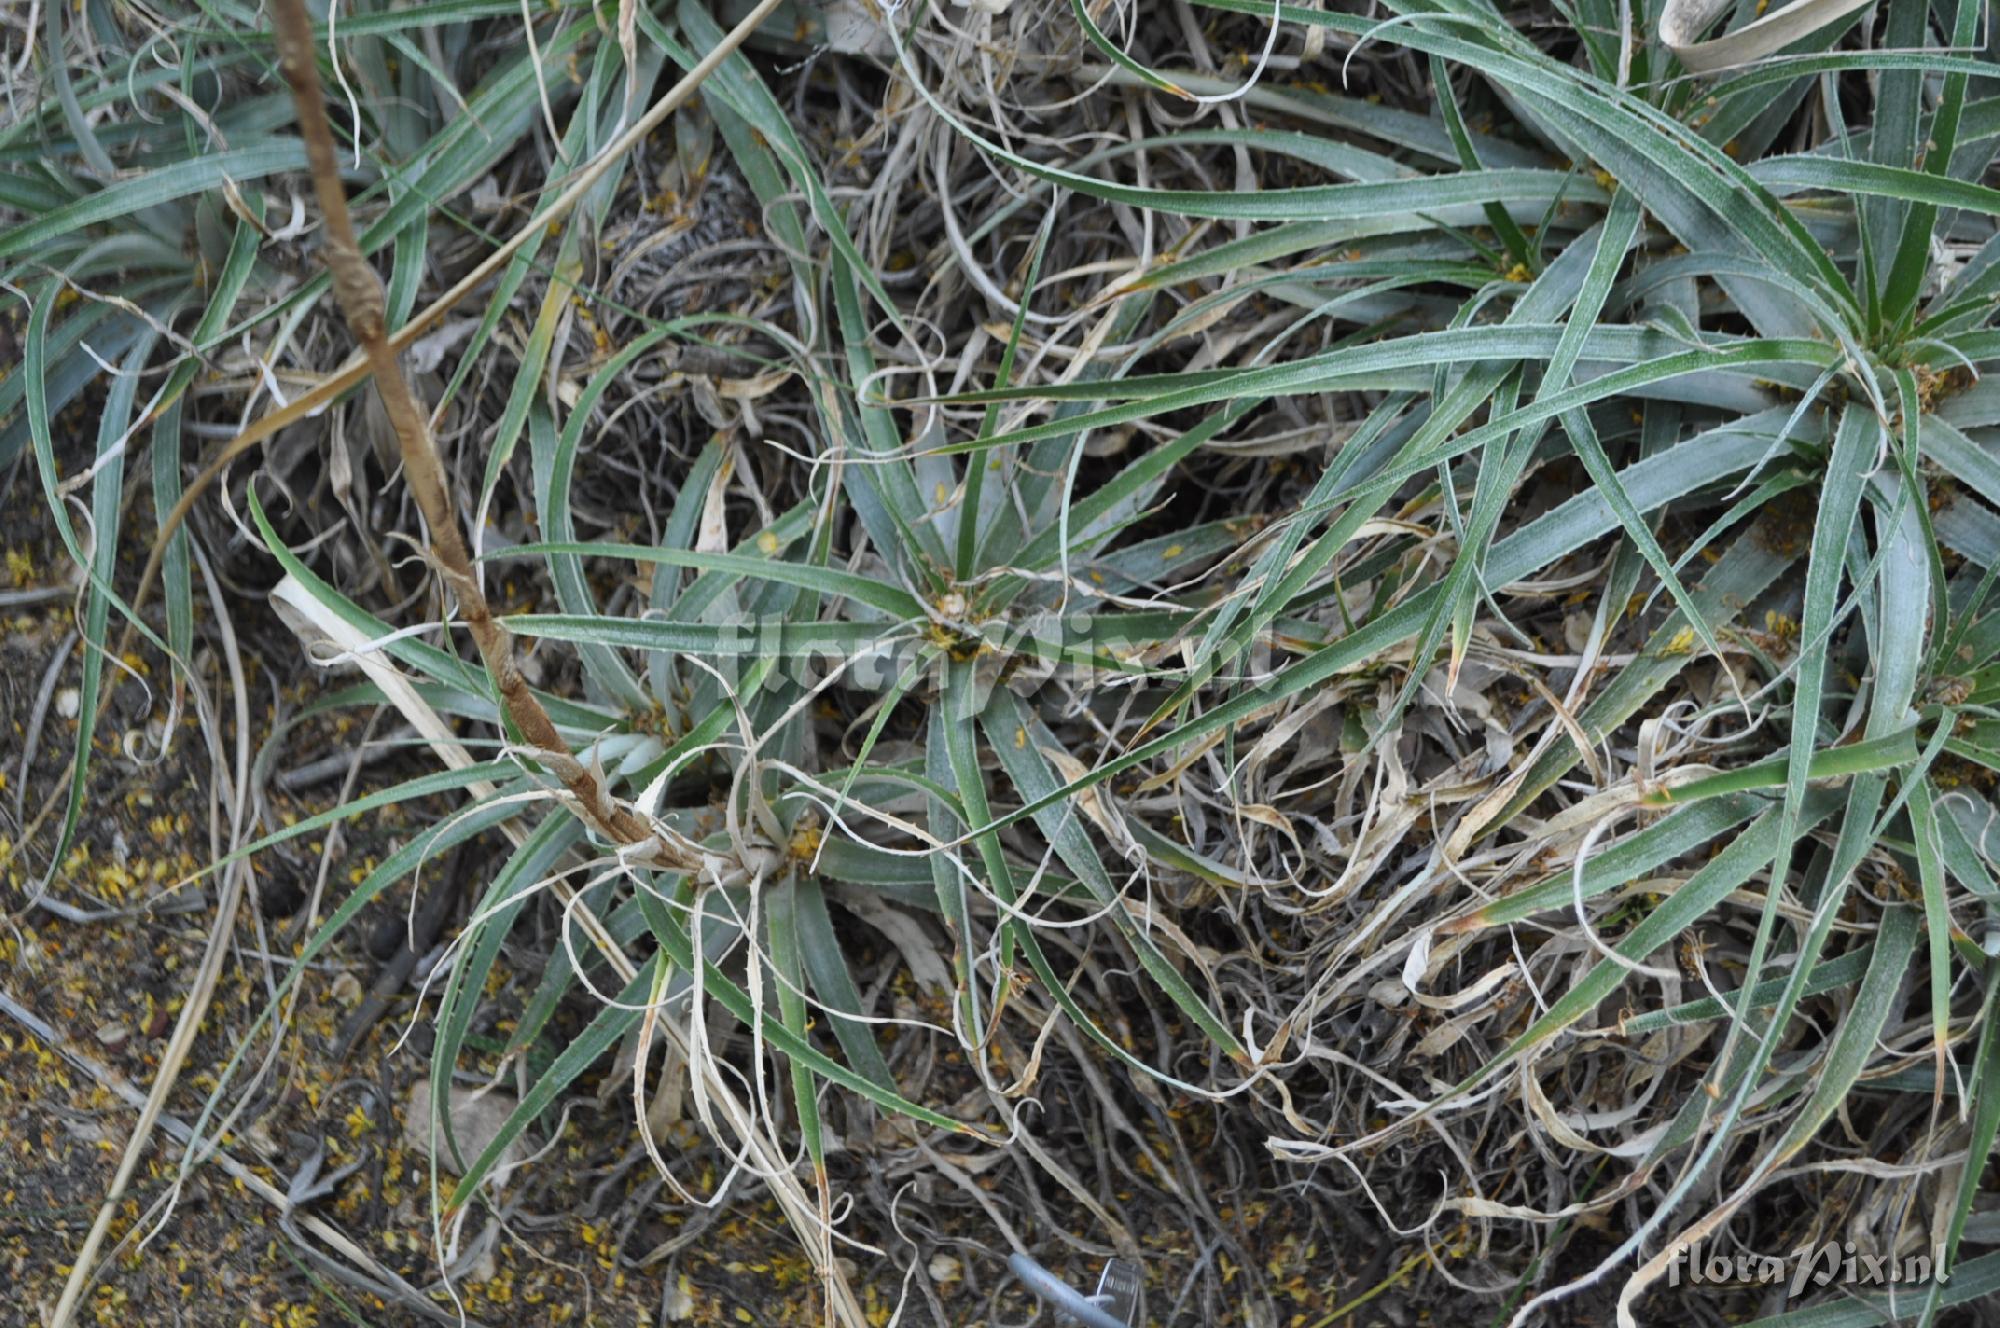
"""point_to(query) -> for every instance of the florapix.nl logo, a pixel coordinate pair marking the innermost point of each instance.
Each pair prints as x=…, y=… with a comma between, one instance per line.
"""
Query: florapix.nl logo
x=1830, y=1263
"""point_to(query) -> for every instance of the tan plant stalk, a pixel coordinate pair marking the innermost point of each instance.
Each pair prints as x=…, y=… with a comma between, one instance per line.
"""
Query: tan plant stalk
x=359, y=367
x=359, y=293
x=202, y=990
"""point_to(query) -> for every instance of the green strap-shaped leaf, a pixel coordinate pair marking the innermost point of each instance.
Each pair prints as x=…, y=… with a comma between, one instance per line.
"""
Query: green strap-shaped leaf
x=1017, y=738
x=492, y=918
x=195, y=175
x=826, y=965
x=828, y=581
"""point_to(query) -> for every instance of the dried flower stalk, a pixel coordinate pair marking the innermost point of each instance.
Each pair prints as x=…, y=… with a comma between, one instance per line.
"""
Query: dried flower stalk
x=358, y=367
x=359, y=293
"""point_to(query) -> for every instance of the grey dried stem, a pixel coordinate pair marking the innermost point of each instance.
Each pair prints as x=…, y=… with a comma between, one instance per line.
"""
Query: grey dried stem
x=359, y=293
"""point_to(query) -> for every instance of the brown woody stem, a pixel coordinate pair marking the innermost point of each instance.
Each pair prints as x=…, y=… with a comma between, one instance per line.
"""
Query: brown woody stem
x=359, y=367
x=359, y=292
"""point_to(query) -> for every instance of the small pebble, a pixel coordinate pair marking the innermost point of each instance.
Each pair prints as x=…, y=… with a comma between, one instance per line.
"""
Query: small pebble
x=476, y=1120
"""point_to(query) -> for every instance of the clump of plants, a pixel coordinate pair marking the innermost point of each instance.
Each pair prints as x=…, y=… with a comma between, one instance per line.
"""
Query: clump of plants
x=1416, y=579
